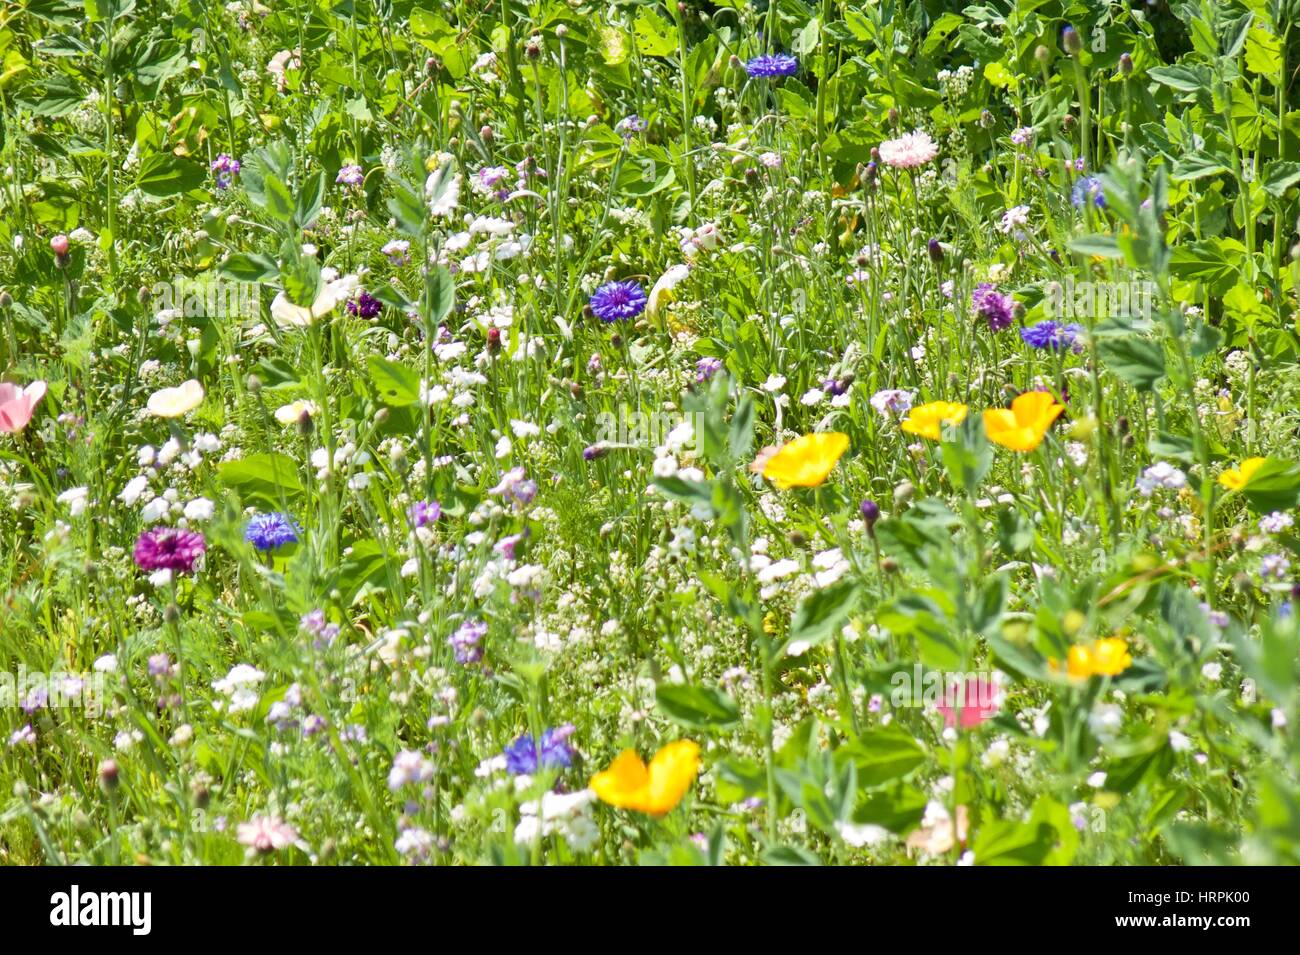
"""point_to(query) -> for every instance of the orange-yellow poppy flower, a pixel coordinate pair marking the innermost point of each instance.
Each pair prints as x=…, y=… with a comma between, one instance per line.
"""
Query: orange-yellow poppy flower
x=1022, y=426
x=806, y=461
x=928, y=420
x=655, y=789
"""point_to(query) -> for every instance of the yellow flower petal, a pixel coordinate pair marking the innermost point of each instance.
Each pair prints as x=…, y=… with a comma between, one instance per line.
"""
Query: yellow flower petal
x=624, y=783
x=1023, y=426
x=1234, y=479
x=671, y=773
x=806, y=461
x=629, y=784
x=927, y=420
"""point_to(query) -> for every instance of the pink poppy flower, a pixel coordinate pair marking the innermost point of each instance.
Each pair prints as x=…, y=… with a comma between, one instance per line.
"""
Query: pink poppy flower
x=18, y=404
x=979, y=702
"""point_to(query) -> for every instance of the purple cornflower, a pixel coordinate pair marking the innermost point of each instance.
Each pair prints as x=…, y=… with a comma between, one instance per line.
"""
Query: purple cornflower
x=1023, y=135
x=1087, y=187
x=992, y=306
x=350, y=176
x=465, y=641
x=169, y=548
x=772, y=65
x=364, y=305
x=423, y=513
x=1050, y=334
x=836, y=386
x=706, y=368
x=594, y=452
x=526, y=754
x=618, y=301
x=271, y=531
x=224, y=170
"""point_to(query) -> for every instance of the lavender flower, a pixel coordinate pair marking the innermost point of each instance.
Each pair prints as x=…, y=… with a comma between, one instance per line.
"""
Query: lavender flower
x=169, y=548
x=316, y=626
x=618, y=301
x=224, y=170
x=706, y=368
x=629, y=126
x=1085, y=188
x=423, y=513
x=467, y=639
x=350, y=176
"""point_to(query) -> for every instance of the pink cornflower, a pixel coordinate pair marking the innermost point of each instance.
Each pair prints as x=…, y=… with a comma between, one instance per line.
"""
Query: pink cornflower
x=909, y=150
x=169, y=548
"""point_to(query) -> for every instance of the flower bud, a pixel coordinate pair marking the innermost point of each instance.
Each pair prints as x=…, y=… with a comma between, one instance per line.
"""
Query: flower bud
x=1071, y=41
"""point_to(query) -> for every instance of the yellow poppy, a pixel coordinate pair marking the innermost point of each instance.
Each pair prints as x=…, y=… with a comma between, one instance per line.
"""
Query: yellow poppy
x=655, y=789
x=1108, y=657
x=806, y=460
x=1234, y=479
x=1022, y=426
x=927, y=420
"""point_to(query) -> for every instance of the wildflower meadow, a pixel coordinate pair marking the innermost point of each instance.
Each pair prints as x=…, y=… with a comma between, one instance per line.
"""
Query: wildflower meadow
x=559, y=432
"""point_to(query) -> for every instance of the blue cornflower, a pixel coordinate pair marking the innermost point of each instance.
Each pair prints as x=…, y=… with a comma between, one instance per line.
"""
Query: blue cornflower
x=618, y=301
x=1084, y=188
x=1050, y=334
x=269, y=531
x=526, y=755
x=772, y=65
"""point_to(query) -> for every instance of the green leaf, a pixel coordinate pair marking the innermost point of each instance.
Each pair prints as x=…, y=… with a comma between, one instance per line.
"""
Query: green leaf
x=1197, y=165
x=165, y=174
x=655, y=36
x=884, y=754
x=1274, y=487
x=397, y=385
x=1279, y=177
x=1137, y=361
x=268, y=475
x=820, y=615
x=1185, y=79
x=1097, y=244
x=1008, y=842
x=248, y=267
x=309, y=200
x=967, y=455
x=697, y=707
x=1263, y=52
x=441, y=290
